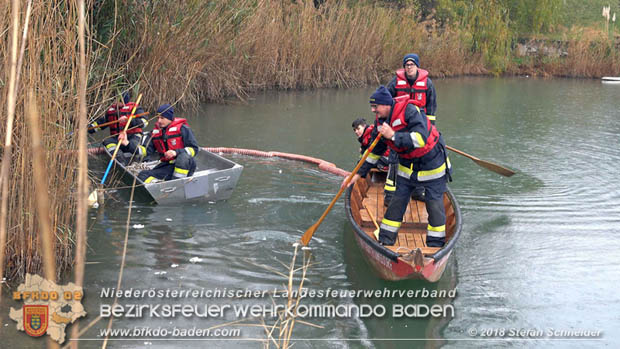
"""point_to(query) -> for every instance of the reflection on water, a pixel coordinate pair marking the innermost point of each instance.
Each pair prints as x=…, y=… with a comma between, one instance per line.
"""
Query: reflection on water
x=538, y=250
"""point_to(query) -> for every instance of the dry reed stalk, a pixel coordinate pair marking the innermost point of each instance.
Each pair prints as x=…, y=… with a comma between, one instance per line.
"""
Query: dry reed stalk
x=22, y=49
x=82, y=194
x=6, y=156
x=122, y=268
x=47, y=241
x=285, y=322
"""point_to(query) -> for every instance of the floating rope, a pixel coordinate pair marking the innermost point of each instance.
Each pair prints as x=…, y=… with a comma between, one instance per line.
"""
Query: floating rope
x=322, y=164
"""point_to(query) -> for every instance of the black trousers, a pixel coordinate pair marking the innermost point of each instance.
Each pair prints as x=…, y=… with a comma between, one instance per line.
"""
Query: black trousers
x=183, y=165
x=392, y=220
x=390, y=181
x=133, y=147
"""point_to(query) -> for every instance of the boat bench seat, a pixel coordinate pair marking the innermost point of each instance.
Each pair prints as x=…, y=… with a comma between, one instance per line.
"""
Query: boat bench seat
x=425, y=250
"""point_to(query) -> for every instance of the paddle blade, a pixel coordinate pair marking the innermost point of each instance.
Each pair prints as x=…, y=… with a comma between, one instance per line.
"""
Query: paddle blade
x=483, y=163
x=494, y=167
x=305, y=239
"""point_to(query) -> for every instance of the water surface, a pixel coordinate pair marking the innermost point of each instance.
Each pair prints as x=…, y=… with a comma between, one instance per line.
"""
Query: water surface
x=537, y=251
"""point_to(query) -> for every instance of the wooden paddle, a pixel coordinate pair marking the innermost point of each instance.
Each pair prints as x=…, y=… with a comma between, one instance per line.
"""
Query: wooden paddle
x=115, y=121
x=118, y=145
x=486, y=164
x=375, y=233
x=308, y=234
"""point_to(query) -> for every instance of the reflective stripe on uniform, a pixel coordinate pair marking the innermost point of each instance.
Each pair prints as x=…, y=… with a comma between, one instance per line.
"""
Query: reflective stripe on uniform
x=141, y=151
x=180, y=171
x=404, y=171
x=372, y=158
x=111, y=146
x=433, y=174
x=389, y=225
x=417, y=139
x=149, y=179
x=423, y=175
x=190, y=151
x=436, y=232
x=431, y=117
x=388, y=187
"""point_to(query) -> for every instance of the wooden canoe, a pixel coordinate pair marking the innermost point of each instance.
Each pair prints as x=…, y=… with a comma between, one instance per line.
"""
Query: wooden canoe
x=409, y=258
x=214, y=179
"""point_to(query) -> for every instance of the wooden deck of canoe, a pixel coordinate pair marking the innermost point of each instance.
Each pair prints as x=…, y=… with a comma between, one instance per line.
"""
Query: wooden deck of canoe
x=366, y=209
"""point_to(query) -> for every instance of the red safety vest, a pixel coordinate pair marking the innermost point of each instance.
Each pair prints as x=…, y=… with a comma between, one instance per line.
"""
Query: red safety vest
x=366, y=139
x=398, y=123
x=171, y=140
x=417, y=92
x=115, y=112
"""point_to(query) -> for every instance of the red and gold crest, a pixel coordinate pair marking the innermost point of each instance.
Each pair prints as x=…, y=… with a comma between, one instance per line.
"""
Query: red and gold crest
x=35, y=319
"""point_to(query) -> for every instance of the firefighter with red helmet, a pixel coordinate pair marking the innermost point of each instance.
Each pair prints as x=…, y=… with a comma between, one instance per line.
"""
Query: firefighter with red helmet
x=174, y=142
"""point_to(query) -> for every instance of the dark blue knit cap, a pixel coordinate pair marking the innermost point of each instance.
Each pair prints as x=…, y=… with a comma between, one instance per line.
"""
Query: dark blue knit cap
x=126, y=96
x=412, y=57
x=381, y=96
x=166, y=111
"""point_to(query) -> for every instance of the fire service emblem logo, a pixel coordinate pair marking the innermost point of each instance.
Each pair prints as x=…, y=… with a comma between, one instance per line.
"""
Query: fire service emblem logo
x=35, y=319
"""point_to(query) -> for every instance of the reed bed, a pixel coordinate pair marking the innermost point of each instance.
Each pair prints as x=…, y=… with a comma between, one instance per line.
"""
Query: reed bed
x=192, y=51
x=591, y=54
x=50, y=70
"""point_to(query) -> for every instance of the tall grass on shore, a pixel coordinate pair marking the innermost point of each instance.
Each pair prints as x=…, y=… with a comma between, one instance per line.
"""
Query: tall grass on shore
x=591, y=54
x=195, y=51
x=50, y=70
x=206, y=50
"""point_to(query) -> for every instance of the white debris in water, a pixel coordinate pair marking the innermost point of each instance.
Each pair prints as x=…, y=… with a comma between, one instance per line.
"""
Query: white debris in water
x=195, y=259
x=138, y=226
x=168, y=219
x=160, y=272
x=279, y=171
x=173, y=265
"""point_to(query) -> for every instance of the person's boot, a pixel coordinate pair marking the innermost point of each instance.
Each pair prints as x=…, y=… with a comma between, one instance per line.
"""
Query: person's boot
x=435, y=242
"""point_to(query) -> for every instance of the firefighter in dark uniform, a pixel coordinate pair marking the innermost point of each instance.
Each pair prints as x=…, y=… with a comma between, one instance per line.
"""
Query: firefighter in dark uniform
x=363, y=132
x=423, y=162
x=131, y=141
x=176, y=145
x=413, y=83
